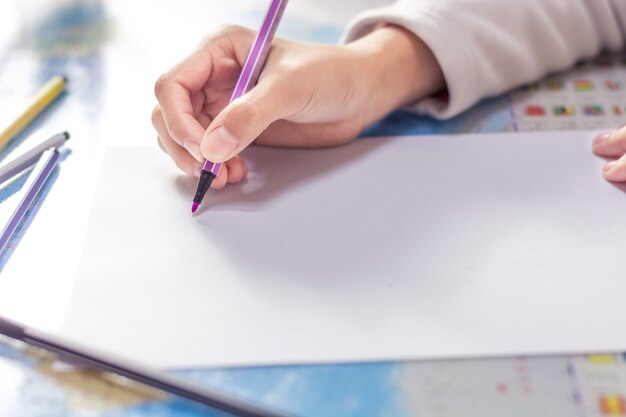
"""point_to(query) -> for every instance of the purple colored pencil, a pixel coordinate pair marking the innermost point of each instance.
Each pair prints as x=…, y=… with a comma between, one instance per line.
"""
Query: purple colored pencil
x=37, y=179
x=247, y=80
x=88, y=358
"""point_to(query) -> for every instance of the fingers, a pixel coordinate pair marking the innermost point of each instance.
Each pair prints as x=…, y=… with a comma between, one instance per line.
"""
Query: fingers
x=175, y=101
x=610, y=144
x=237, y=169
x=616, y=170
x=181, y=156
x=180, y=95
x=234, y=170
x=180, y=91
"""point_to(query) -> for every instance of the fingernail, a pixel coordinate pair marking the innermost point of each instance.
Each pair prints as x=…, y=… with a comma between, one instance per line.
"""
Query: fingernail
x=609, y=166
x=600, y=138
x=194, y=150
x=197, y=171
x=220, y=143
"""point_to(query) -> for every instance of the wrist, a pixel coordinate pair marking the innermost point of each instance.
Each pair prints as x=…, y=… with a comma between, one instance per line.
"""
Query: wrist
x=398, y=69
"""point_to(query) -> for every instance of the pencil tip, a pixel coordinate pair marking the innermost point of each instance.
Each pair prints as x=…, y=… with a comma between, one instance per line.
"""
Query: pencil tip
x=67, y=135
x=194, y=207
x=64, y=78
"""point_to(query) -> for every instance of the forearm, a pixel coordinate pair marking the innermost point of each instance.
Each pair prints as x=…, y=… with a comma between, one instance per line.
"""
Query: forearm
x=398, y=69
x=486, y=47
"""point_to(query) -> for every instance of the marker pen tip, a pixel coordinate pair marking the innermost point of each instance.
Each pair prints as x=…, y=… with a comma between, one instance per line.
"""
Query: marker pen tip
x=194, y=207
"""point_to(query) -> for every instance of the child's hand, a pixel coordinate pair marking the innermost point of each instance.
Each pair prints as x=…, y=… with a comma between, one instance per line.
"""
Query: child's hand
x=613, y=145
x=308, y=95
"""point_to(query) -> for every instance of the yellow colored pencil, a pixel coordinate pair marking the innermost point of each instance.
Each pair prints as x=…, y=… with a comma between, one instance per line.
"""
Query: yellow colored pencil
x=42, y=99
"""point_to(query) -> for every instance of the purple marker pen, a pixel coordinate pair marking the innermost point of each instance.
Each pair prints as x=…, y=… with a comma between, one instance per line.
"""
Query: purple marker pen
x=247, y=80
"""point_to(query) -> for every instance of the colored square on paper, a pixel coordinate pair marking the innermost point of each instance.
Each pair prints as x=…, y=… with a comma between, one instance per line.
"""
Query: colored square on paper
x=613, y=405
x=535, y=111
x=601, y=359
x=555, y=85
x=583, y=85
x=612, y=85
x=593, y=110
x=563, y=111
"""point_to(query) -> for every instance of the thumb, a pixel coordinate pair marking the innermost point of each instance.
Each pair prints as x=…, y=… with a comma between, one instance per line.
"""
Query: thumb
x=241, y=122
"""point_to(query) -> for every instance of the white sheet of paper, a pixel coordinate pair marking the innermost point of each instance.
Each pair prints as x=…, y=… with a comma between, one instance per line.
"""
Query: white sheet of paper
x=390, y=248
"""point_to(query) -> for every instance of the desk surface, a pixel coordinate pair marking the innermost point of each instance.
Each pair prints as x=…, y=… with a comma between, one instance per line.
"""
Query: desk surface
x=112, y=52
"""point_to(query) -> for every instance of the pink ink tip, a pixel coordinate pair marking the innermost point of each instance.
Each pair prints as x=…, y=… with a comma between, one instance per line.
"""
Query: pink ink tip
x=194, y=207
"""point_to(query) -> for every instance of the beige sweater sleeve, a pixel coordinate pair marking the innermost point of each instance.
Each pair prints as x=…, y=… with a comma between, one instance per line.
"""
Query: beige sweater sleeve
x=486, y=47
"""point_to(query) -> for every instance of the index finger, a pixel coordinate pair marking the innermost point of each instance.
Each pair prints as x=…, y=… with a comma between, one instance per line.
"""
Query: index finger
x=180, y=91
x=177, y=90
x=175, y=100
